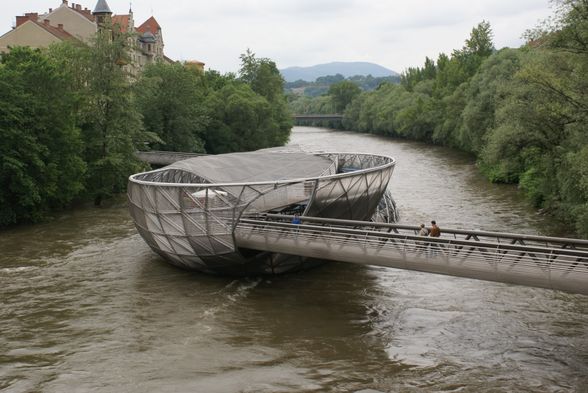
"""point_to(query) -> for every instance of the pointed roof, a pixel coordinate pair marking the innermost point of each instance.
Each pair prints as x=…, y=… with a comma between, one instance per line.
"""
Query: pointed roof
x=150, y=25
x=102, y=8
x=123, y=22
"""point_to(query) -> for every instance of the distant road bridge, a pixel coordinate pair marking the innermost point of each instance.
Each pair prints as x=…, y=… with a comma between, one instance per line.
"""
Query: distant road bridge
x=317, y=117
x=538, y=261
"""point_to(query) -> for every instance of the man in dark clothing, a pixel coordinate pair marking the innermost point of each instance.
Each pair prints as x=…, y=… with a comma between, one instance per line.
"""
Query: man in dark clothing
x=435, y=230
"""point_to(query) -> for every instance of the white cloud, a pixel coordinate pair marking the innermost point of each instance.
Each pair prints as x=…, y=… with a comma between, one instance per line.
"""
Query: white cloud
x=396, y=34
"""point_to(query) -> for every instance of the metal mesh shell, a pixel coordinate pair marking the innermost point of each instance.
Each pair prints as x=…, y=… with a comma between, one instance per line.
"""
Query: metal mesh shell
x=187, y=212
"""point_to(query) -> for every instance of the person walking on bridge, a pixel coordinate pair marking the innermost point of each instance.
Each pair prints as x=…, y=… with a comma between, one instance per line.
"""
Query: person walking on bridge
x=435, y=230
x=424, y=231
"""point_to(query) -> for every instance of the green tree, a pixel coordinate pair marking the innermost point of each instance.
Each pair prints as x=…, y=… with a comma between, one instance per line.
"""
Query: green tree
x=540, y=135
x=483, y=96
x=111, y=124
x=40, y=164
x=241, y=120
x=264, y=78
x=342, y=93
x=171, y=100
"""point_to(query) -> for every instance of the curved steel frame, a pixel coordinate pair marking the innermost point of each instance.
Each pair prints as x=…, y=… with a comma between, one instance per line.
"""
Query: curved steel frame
x=191, y=223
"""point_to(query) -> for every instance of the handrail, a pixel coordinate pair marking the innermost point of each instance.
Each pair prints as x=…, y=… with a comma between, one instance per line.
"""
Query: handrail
x=423, y=239
x=334, y=221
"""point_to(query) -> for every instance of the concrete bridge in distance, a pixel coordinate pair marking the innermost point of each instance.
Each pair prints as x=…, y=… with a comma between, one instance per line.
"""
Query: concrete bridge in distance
x=318, y=117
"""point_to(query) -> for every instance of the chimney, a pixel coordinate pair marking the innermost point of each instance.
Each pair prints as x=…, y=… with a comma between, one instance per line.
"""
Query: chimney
x=50, y=10
x=78, y=7
x=46, y=22
x=60, y=26
x=64, y=2
x=21, y=19
x=32, y=16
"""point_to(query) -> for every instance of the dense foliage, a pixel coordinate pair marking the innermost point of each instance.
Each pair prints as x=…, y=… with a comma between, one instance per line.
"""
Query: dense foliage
x=322, y=84
x=40, y=145
x=71, y=120
x=171, y=98
x=111, y=125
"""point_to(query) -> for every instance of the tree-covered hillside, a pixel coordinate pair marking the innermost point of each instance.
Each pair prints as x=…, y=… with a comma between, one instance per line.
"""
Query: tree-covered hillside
x=322, y=84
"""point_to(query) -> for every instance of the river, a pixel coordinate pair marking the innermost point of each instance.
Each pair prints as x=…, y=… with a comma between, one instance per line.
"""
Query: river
x=85, y=306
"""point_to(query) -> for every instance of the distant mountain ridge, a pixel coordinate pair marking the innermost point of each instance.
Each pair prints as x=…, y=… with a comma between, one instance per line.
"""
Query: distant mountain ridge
x=347, y=69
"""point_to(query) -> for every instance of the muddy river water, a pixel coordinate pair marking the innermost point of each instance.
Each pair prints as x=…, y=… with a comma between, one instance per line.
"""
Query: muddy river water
x=85, y=306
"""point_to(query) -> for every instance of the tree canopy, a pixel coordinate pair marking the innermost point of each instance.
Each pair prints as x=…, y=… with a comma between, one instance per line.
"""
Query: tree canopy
x=40, y=145
x=71, y=120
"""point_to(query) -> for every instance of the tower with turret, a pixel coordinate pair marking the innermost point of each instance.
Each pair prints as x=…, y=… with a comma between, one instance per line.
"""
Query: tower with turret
x=102, y=13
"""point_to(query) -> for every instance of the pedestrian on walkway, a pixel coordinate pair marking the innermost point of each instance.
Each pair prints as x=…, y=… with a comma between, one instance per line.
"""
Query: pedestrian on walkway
x=435, y=230
x=424, y=231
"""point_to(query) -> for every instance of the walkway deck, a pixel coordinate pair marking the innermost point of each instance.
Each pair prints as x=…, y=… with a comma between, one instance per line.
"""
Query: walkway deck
x=547, y=262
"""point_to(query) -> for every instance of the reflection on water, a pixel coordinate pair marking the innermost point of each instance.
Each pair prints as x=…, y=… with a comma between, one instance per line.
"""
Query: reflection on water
x=86, y=306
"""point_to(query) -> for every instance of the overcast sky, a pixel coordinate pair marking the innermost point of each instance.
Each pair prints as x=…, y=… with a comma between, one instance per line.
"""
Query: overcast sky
x=393, y=33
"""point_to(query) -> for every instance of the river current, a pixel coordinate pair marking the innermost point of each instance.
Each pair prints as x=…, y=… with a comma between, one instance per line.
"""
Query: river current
x=85, y=306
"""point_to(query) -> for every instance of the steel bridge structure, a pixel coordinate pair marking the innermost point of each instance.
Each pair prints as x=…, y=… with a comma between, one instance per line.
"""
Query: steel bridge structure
x=231, y=214
x=538, y=261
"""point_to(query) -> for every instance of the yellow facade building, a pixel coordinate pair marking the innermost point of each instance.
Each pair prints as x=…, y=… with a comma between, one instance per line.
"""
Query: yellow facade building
x=74, y=22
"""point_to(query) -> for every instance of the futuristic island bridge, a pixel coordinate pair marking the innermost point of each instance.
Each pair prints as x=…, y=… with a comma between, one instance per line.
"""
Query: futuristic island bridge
x=232, y=214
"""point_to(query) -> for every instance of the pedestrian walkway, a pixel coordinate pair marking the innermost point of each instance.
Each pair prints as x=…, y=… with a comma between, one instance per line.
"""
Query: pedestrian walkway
x=547, y=262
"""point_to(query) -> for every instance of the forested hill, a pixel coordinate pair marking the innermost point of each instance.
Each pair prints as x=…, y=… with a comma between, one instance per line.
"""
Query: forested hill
x=322, y=84
x=347, y=69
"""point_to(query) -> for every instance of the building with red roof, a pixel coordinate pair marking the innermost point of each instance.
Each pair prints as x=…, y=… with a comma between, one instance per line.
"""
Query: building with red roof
x=74, y=22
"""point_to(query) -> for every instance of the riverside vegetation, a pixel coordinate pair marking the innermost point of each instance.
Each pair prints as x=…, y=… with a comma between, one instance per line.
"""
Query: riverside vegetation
x=522, y=112
x=71, y=120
